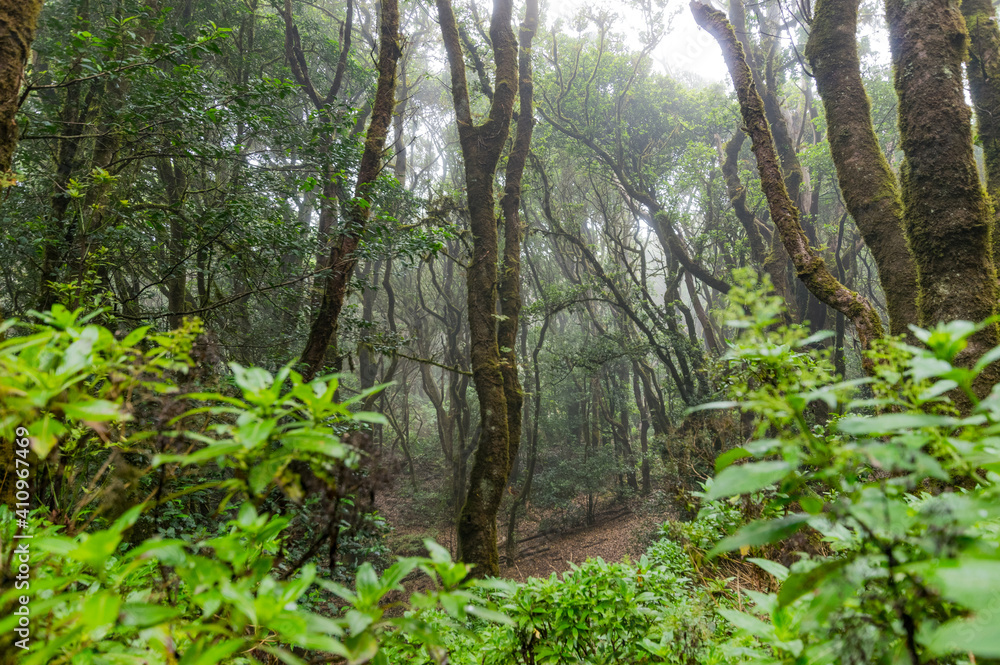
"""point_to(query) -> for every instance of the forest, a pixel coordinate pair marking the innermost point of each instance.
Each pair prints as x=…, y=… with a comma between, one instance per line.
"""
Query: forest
x=488, y=333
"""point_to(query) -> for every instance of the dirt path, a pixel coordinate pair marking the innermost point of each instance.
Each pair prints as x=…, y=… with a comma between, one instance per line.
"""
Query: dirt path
x=616, y=533
x=612, y=537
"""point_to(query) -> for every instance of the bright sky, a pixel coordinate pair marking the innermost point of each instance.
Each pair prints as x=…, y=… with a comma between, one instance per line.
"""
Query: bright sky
x=686, y=47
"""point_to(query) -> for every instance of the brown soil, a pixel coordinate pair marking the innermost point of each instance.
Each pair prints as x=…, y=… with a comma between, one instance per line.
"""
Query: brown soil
x=617, y=532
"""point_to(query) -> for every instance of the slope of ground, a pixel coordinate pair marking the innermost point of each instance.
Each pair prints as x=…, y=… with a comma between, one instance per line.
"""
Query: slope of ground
x=617, y=532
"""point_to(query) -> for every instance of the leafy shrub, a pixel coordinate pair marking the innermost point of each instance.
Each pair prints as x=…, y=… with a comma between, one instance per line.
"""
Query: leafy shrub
x=609, y=613
x=671, y=556
x=221, y=595
x=903, y=489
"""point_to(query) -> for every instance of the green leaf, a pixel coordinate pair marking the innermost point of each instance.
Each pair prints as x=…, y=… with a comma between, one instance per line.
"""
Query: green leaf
x=203, y=652
x=746, y=478
x=489, y=615
x=361, y=648
x=893, y=422
x=815, y=338
x=974, y=583
x=811, y=504
x=135, y=336
x=799, y=584
x=761, y=532
x=92, y=410
x=45, y=434
x=751, y=624
x=142, y=615
x=772, y=567
x=371, y=417
x=975, y=634
x=251, y=379
x=438, y=553
x=730, y=456
x=367, y=585
x=263, y=473
x=989, y=357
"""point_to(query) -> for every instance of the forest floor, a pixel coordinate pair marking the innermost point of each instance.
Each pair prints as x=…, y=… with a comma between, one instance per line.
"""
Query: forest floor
x=614, y=535
x=619, y=529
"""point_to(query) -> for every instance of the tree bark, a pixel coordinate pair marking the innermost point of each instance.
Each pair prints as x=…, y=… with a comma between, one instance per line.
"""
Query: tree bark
x=869, y=186
x=509, y=291
x=482, y=145
x=342, y=259
x=947, y=214
x=18, y=21
x=983, y=67
x=808, y=263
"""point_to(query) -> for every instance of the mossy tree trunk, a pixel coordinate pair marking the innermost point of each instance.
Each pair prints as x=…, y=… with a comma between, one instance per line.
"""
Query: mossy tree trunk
x=510, y=205
x=776, y=261
x=947, y=215
x=18, y=20
x=482, y=145
x=729, y=157
x=342, y=259
x=871, y=192
x=983, y=67
x=808, y=263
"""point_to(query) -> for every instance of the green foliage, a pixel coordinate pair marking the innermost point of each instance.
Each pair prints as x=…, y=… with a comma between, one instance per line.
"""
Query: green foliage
x=169, y=600
x=609, y=613
x=96, y=595
x=67, y=379
x=901, y=490
x=647, y=612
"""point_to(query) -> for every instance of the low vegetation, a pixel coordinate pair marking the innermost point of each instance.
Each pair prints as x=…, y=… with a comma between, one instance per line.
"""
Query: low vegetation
x=879, y=495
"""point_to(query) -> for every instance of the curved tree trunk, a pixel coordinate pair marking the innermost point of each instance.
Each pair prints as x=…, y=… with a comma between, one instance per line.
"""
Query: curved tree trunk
x=808, y=263
x=870, y=190
x=481, y=148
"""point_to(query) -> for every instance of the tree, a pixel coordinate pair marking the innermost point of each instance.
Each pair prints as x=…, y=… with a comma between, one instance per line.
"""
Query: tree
x=342, y=259
x=496, y=386
x=871, y=191
x=947, y=214
x=18, y=19
x=940, y=200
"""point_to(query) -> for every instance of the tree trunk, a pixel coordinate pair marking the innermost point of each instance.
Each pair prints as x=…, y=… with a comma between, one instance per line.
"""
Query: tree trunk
x=481, y=148
x=18, y=19
x=808, y=263
x=983, y=68
x=342, y=259
x=947, y=215
x=870, y=190
x=509, y=291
